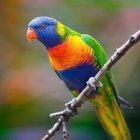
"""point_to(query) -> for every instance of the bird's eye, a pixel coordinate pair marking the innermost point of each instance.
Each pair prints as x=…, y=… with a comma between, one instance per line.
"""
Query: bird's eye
x=42, y=26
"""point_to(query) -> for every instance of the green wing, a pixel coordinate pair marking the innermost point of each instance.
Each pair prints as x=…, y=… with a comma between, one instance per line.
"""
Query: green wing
x=99, y=52
x=101, y=59
x=106, y=102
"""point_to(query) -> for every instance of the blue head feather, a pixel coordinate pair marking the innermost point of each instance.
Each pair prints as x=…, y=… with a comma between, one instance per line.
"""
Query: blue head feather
x=45, y=28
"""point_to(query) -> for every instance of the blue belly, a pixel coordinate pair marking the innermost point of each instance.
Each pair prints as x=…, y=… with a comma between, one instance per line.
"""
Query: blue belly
x=76, y=78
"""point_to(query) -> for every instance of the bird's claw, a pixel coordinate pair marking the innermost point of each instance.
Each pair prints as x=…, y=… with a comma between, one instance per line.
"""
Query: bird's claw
x=69, y=109
x=90, y=82
x=100, y=84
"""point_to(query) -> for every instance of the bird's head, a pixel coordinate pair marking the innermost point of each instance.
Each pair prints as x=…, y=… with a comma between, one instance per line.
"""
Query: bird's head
x=47, y=30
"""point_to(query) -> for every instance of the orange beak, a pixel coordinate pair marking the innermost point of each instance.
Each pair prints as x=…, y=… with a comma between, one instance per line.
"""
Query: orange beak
x=31, y=34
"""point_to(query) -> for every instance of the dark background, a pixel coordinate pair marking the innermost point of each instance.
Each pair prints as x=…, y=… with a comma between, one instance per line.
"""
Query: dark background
x=29, y=89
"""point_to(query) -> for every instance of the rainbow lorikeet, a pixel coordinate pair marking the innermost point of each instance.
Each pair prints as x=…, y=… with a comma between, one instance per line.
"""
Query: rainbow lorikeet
x=75, y=58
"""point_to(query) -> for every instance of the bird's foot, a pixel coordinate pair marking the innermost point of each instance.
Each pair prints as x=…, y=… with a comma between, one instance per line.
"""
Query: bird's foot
x=69, y=109
x=91, y=83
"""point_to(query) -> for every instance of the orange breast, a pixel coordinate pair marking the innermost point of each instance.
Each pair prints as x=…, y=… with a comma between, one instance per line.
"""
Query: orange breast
x=71, y=53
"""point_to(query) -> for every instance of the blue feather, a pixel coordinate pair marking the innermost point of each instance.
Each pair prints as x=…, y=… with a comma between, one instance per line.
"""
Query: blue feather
x=76, y=78
x=47, y=35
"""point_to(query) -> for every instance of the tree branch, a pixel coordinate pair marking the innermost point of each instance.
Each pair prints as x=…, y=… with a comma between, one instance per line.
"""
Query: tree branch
x=71, y=107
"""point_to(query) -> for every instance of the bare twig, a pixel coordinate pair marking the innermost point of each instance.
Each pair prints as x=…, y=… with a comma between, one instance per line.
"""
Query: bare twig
x=71, y=107
x=54, y=129
x=65, y=130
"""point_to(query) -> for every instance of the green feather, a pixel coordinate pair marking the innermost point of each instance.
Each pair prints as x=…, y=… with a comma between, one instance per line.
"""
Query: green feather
x=101, y=59
x=106, y=101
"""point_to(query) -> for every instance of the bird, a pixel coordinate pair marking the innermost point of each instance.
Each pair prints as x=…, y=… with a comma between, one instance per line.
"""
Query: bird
x=75, y=58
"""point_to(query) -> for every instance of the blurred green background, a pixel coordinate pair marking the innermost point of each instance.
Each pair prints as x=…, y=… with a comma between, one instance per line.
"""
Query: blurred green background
x=29, y=89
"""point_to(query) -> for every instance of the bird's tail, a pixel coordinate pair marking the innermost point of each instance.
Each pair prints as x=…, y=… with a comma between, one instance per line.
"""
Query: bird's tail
x=111, y=118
